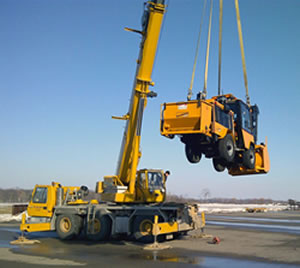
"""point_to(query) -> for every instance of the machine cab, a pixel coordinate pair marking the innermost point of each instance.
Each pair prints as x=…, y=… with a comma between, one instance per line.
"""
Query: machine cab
x=42, y=201
x=245, y=119
x=150, y=186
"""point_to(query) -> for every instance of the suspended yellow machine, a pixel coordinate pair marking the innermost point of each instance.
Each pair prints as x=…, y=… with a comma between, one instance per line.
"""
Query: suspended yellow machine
x=223, y=128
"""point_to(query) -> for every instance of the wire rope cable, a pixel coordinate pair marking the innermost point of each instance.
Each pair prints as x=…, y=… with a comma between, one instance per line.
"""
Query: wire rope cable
x=238, y=19
x=190, y=90
x=204, y=93
x=220, y=45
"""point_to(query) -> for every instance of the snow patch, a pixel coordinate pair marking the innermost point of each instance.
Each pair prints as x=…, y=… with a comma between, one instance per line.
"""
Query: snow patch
x=9, y=217
x=229, y=208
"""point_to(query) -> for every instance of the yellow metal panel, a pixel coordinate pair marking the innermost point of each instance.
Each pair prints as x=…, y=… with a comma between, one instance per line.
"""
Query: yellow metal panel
x=168, y=227
x=206, y=117
x=182, y=117
x=220, y=130
x=118, y=197
x=35, y=227
x=248, y=138
x=150, y=46
x=43, y=209
x=262, y=163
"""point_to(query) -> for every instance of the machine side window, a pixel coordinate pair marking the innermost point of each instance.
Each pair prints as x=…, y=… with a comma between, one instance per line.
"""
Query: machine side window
x=223, y=118
x=40, y=195
x=246, y=119
x=142, y=179
x=155, y=180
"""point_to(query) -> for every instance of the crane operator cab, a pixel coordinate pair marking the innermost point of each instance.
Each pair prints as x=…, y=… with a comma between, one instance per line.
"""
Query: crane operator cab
x=147, y=187
x=150, y=186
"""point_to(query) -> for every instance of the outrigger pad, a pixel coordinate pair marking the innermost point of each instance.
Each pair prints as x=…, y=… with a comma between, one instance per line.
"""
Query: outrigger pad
x=262, y=163
x=22, y=240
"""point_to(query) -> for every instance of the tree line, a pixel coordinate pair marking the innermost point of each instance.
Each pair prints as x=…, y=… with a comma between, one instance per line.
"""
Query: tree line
x=14, y=195
x=23, y=196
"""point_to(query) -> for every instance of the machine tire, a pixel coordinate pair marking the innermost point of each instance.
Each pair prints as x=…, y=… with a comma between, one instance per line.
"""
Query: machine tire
x=218, y=164
x=249, y=158
x=68, y=226
x=192, y=155
x=102, y=229
x=226, y=149
x=142, y=229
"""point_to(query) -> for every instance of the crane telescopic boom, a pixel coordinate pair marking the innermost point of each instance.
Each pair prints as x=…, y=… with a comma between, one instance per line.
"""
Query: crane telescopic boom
x=130, y=154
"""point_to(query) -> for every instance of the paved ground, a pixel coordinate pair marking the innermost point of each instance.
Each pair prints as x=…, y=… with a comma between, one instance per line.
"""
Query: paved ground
x=240, y=247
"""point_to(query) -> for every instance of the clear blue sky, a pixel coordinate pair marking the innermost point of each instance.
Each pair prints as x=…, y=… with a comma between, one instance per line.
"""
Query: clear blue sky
x=66, y=66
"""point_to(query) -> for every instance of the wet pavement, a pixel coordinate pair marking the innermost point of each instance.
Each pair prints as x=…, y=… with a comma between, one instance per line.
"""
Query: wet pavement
x=186, y=253
x=257, y=222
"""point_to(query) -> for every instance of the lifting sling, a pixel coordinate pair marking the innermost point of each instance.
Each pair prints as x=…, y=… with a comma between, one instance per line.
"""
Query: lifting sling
x=190, y=91
x=238, y=20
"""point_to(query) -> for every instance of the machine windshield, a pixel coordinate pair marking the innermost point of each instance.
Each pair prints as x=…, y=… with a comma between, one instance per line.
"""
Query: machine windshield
x=155, y=180
x=40, y=195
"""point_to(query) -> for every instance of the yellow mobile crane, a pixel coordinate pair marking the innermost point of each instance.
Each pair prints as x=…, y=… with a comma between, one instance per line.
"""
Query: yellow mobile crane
x=130, y=199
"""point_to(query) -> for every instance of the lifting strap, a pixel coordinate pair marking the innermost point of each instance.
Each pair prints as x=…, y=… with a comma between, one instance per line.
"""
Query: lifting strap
x=220, y=45
x=207, y=52
x=190, y=91
x=238, y=19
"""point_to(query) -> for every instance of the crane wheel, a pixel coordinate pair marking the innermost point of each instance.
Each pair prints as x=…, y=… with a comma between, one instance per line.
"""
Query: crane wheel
x=226, y=149
x=249, y=158
x=142, y=229
x=68, y=226
x=100, y=229
x=218, y=164
x=192, y=155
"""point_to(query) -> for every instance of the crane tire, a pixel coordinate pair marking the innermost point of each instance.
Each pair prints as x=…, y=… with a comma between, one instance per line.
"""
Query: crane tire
x=218, y=164
x=249, y=158
x=68, y=226
x=101, y=229
x=226, y=149
x=142, y=229
x=192, y=155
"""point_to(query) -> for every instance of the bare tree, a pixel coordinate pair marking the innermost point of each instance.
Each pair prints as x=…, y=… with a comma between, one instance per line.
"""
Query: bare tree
x=205, y=193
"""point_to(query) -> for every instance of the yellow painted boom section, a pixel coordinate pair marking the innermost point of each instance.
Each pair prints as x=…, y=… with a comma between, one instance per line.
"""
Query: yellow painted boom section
x=130, y=148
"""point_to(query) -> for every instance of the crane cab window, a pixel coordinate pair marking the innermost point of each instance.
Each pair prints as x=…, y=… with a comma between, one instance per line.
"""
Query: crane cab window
x=142, y=179
x=155, y=180
x=40, y=195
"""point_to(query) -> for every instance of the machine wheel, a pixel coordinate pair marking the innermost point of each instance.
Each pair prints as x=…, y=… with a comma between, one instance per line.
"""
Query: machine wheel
x=226, y=149
x=218, y=164
x=249, y=158
x=101, y=230
x=68, y=226
x=142, y=229
x=192, y=155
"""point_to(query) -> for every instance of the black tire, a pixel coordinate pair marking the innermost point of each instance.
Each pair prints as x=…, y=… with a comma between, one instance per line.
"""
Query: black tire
x=226, y=149
x=192, y=155
x=249, y=158
x=142, y=229
x=100, y=230
x=68, y=226
x=218, y=164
